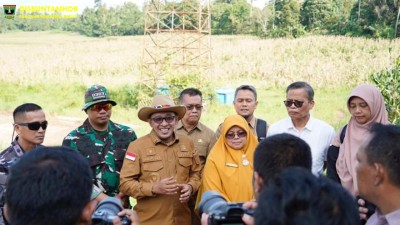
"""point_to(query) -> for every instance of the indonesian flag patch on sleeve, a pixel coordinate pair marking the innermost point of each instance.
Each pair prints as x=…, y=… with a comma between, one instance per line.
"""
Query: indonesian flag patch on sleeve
x=131, y=156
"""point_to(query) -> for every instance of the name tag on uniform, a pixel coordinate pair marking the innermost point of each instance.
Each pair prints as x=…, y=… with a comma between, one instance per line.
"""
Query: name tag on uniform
x=130, y=156
x=232, y=165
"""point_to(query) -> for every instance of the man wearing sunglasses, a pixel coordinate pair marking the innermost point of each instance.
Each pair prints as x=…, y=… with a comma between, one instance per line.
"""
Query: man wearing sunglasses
x=30, y=125
x=161, y=169
x=190, y=125
x=102, y=142
x=318, y=134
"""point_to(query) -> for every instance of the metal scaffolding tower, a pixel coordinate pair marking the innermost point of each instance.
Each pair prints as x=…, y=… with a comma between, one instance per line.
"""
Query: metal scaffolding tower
x=178, y=37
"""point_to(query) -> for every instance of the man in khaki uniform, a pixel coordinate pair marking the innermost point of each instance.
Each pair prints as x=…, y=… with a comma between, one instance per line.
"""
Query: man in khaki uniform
x=245, y=103
x=190, y=125
x=161, y=169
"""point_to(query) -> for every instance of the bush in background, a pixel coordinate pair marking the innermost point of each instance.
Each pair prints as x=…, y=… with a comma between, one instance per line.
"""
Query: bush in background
x=389, y=83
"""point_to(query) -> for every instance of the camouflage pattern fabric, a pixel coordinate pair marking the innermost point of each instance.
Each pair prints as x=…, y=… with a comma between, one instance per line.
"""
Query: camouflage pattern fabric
x=8, y=157
x=104, y=150
x=96, y=94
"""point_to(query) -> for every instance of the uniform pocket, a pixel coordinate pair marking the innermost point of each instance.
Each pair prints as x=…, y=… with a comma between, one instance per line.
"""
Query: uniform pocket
x=202, y=149
x=152, y=164
x=119, y=155
x=185, y=162
x=185, y=159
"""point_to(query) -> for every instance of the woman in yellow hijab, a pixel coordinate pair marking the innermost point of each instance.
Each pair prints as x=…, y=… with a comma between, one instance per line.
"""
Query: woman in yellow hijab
x=229, y=166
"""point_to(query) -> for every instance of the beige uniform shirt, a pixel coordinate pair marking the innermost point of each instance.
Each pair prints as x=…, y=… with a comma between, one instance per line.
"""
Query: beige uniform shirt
x=147, y=161
x=203, y=138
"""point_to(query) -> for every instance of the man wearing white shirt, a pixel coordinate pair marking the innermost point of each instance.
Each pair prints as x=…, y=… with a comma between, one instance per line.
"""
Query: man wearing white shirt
x=318, y=134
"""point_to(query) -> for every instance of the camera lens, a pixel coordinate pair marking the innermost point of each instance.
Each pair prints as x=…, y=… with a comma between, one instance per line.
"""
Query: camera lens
x=106, y=211
x=210, y=201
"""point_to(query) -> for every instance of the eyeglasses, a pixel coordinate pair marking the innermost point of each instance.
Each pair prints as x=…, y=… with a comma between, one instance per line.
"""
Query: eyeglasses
x=191, y=107
x=99, y=107
x=159, y=120
x=35, y=125
x=297, y=103
x=232, y=135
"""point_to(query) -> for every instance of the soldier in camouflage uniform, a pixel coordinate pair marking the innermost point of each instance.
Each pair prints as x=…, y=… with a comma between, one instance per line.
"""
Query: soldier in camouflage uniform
x=102, y=142
x=30, y=125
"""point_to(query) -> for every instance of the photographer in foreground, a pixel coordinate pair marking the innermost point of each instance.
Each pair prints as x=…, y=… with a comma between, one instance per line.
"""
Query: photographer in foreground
x=53, y=185
x=295, y=196
x=273, y=155
x=286, y=190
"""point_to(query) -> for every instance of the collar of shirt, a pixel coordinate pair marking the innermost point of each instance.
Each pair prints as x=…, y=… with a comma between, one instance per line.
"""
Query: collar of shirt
x=309, y=126
x=252, y=122
x=393, y=217
x=17, y=148
x=199, y=126
x=89, y=129
x=156, y=140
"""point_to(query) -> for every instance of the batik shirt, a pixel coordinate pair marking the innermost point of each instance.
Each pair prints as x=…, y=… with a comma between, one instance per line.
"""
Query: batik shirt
x=105, y=151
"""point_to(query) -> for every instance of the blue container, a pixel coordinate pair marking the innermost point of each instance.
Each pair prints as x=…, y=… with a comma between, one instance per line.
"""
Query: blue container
x=163, y=89
x=225, y=95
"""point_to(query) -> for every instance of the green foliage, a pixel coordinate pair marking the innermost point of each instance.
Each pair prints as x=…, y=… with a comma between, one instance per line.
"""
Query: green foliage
x=100, y=21
x=231, y=18
x=373, y=18
x=389, y=83
x=319, y=15
x=279, y=18
x=262, y=19
x=54, y=97
x=126, y=96
x=129, y=96
x=176, y=84
x=287, y=19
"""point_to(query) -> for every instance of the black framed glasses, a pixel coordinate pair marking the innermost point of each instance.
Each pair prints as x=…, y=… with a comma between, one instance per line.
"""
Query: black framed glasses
x=191, y=107
x=35, y=125
x=159, y=120
x=297, y=103
x=232, y=135
x=99, y=107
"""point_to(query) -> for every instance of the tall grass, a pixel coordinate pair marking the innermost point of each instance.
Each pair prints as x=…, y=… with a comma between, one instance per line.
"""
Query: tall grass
x=54, y=69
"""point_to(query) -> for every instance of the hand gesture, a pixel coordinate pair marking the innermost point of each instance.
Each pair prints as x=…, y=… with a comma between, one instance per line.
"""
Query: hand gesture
x=248, y=219
x=126, y=212
x=166, y=186
x=186, y=191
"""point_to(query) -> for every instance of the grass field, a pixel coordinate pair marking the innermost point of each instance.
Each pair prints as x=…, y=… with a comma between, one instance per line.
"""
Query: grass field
x=53, y=69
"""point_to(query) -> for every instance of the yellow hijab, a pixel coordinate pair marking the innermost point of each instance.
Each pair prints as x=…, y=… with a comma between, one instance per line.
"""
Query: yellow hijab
x=225, y=171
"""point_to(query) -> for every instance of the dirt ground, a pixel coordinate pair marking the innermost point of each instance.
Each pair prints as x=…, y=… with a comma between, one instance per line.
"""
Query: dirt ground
x=59, y=127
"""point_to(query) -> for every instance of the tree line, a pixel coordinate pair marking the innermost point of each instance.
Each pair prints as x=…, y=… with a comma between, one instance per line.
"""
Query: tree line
x=278, y=18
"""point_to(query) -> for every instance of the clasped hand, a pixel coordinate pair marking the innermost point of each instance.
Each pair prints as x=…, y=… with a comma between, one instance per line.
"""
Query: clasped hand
x=168, y=186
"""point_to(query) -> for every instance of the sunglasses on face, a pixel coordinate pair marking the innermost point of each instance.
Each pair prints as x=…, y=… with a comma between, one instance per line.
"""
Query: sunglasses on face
x=191, y=107
x=232, y=135
x=159, y=120
x=99, y=107
x=297, y=103
x=35, y=125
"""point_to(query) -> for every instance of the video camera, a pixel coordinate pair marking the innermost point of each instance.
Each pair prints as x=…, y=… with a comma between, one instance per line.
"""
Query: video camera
x=107, y=210
x=220, y=211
